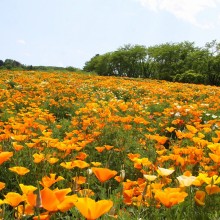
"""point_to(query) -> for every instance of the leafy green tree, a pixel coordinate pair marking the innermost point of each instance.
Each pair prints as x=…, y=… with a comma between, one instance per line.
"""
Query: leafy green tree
x=214, y=70
x=11, y=64
x=167, y=60
x=130, y=60
x=126, y=61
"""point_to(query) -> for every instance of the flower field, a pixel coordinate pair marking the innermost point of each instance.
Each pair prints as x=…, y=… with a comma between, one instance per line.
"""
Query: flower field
x=80, y=146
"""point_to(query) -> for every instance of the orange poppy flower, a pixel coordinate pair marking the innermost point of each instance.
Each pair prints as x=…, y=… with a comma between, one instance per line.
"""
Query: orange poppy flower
x=118, y=179
x=49, y=181
x=170, y=196
x=67, y=165
x=19, y=137
x=20, y=170
x=79, y=163
x=200, y=198
x=215, y=148
x=192, y=129
x=26, y=189
x=103, y=174
x=133, y=156
x=2, y=185
x=13, y=199
x=86, y=193
x=100, y=149
x=38, y=157
x=54, y=200
x=24, y=210
x=79, y=179
x=187, y=173
x=170, y=129
x=17, y=146
x=108, y=147
x=58, y=126
x=30, y=145
x=28, y=193
x=52, y=160
x=212, y=189
x=91, y=209
x=81, y=156
x=4, y=156
x=215, y=157
x=96, y=164
x=160, y=139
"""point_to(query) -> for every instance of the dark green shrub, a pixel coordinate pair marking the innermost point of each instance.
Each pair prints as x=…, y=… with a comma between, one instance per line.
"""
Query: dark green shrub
x=190, y=77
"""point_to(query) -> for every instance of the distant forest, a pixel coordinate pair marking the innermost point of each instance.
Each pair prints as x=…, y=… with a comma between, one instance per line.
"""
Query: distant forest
x=179, y=62
x=15, y=65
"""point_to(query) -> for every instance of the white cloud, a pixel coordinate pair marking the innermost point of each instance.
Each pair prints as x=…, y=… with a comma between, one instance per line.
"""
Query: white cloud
x=20, y=41
x=187, y=10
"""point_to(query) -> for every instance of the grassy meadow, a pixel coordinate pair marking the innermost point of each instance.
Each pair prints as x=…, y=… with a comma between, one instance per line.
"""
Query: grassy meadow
x=81, y=146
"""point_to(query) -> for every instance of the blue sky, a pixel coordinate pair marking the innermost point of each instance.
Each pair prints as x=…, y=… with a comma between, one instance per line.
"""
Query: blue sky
x=70, y=32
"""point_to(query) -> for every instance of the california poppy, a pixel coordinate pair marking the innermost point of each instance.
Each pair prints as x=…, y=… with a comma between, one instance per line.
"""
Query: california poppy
x=164, y=172
x=54, y=200
x=108, y=147
x=100, y=149
x=149, y=177
x=170, y=196
x=24, y=210
x=26, y=189
x=2, y=185
x=4, y=156
x=48, y=181
x=52, y=160
x=186, y=180
x=67, y=165
x=96, y=164
x=38, y=157
x=91, y=209
x=81, y=156
x=79, y=180
x=215, y=157
x=19, y=170
x=212, y=189
x=13, y=199
x=103, y=174
x=29, y=195
x=79, y=163
x=192, y=129
x=200, y=198
x=17, y=146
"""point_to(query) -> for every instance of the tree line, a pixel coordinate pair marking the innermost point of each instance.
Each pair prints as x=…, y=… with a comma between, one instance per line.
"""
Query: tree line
x=11, y=64
x=180, y=62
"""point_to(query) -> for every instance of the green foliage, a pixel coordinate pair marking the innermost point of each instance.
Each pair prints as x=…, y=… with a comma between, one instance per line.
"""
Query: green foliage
x=15, y=65
x=126, y=61
x=182, y=62
x=190, y=77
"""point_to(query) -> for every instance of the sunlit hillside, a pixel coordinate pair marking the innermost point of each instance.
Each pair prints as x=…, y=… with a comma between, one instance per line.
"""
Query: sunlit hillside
x=81, y=146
